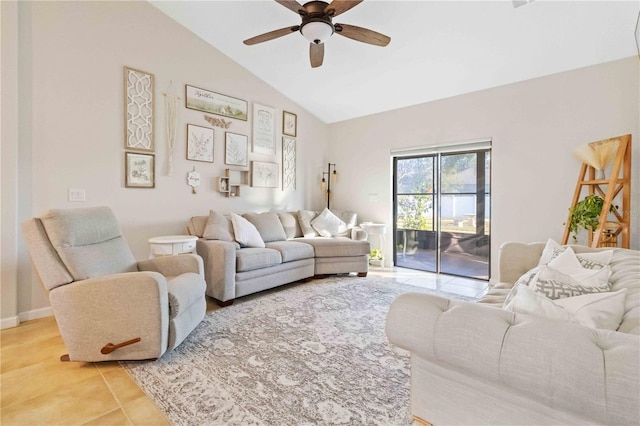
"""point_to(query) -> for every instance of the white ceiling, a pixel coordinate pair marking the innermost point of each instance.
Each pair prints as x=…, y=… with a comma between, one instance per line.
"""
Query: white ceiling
x=438, y=49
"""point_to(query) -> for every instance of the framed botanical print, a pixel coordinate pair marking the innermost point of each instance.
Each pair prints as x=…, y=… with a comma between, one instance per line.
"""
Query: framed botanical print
x=264, y=174
x=139, y=170
x=199, y=143
x=235, y=149
x=289, y=123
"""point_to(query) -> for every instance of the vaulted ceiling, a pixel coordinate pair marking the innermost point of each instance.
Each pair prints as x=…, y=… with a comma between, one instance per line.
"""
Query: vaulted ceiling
x=438, y=49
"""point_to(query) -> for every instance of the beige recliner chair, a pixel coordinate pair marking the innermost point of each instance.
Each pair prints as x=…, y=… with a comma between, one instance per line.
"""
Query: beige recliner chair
x=107, y=305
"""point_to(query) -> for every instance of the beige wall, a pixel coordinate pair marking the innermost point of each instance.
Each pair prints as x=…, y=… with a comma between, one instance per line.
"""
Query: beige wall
x=534, y=125
x=71, y=125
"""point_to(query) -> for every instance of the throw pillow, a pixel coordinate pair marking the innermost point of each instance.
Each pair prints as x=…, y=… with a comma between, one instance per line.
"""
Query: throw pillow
x=268, y=225
x=556, y=285
x=591, y=260
x=290, y=224
x=304, y=218
x=218, y=228
x=596, y=310
x=567, y=263
x=602, y=310
x=328, y=224
x=245, y=232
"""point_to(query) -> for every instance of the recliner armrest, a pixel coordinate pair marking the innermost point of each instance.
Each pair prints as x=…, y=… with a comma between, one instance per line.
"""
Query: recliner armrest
x=172, y=266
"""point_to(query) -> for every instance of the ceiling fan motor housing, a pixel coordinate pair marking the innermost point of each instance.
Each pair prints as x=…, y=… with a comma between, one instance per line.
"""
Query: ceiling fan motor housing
x=317, y=25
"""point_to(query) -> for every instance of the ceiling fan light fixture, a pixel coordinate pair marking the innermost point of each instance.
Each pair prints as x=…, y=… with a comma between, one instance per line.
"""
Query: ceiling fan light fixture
x=317, y=31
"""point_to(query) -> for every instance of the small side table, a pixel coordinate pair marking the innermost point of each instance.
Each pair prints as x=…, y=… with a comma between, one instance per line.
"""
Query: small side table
x=171, y=245
x=379, y=229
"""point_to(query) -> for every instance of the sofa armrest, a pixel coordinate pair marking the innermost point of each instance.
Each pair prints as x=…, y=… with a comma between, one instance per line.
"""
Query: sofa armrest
x=172, y=266
x=562, y=365
x=219, y=268
x=113, y=309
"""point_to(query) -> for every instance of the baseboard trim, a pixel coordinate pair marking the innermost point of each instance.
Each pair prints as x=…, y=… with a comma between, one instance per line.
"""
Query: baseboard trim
x=9, y=322
x=35, y=314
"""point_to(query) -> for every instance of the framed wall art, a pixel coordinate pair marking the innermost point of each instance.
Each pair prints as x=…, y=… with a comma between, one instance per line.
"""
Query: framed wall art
x=289, y=123
x=199, y=143
x=288, y=163
x=215, y=103
x=264, y=174
x=235, y=149
x=264, y=132
x=139, y=170
x=138, y=109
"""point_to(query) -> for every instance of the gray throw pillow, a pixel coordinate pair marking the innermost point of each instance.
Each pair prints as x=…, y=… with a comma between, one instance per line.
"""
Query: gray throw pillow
x=218, y=227
x=268, y=225
x=290, y=224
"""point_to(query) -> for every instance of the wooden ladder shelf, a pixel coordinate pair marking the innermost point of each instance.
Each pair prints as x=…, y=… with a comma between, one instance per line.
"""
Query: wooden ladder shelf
x=615, y=184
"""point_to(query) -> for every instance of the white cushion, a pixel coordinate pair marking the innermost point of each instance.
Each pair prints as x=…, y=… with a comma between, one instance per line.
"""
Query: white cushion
x=328, y=224
x=245, y=232
x=593, y=260
x=601, y=310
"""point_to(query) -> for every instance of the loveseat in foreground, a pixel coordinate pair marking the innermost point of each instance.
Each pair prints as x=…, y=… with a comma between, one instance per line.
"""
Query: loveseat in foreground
x=292, y=250
x=475, y=363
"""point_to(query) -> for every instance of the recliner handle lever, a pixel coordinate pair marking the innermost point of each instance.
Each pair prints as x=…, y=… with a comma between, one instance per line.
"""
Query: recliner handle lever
x=110, y=347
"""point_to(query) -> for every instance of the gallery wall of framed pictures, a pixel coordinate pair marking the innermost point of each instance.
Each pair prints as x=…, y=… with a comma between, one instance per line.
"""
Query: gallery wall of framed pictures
x=243, y=134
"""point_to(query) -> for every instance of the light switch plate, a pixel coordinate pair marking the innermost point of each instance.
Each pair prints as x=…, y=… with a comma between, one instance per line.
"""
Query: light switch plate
x=77, y=194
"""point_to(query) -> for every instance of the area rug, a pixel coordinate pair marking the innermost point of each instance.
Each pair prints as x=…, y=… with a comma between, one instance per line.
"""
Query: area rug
x=306, y=354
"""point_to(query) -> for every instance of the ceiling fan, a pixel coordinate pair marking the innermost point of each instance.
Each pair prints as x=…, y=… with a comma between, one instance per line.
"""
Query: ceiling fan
x=317, y=26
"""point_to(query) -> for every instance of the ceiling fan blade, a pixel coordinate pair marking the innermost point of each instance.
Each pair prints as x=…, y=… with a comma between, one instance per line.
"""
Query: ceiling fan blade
x=271, y=35
x=340, y=6
x=291, y=5
x=316, y=54
x=362, y=34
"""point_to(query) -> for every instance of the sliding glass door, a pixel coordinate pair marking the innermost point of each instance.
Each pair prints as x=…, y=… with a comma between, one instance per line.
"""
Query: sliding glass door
x=442, y=213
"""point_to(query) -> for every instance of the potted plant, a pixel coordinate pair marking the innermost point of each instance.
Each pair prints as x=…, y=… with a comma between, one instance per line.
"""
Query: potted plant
x=586, y=214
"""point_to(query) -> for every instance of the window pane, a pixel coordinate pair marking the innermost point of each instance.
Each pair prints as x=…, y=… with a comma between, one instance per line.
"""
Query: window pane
x=458, y=213
x=487, y=172
x=458, y=173
x=415, y=175
x=415, y=212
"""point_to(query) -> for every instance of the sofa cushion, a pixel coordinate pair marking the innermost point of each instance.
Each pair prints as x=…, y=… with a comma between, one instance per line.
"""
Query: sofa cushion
x=337, y=247
x=268, y=225
x=290, y=224
x=218, y=227
x=304, y=218
x=328, y=224
x=245, y=232
x=292, y=250
x=248, y=259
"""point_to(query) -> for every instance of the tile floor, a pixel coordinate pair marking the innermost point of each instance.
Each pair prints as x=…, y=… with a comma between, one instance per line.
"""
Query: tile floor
x=37, y=389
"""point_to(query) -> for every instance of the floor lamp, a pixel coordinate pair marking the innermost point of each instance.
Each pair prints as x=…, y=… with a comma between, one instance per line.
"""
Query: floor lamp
x=331, y=175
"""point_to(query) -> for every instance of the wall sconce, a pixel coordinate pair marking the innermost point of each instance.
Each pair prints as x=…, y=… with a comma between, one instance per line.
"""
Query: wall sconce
x=329, y=177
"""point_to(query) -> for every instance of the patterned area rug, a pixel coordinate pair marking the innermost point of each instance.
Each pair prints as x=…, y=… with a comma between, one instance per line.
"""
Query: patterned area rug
x=305, y=354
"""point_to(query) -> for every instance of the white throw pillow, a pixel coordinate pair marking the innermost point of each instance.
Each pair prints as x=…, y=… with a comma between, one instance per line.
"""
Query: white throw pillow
x=328, y=224
x=245, y=232
x=601, y=310
x=556, y=285
x=592, y=260
x=597, y=310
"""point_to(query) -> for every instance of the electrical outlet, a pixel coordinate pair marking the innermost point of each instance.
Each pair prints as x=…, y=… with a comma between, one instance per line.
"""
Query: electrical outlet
x=77, y=194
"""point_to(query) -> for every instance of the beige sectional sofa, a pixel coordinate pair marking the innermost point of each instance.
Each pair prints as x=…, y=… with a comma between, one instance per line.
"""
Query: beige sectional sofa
x=293, y=250
x=476, y=363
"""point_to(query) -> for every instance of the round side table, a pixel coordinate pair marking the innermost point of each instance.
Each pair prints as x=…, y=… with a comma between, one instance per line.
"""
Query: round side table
x=171, y=245
x=379, y=229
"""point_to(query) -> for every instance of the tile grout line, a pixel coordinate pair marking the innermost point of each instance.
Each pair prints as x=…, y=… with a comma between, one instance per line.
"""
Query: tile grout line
x=113, y=393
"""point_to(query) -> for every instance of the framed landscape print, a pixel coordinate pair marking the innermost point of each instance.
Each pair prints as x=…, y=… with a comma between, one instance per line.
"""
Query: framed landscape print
x=289, y=123
x=138, y=109
x=199, y=143
x=264, y=174
x=139, y=170
x=264, y=132
x=215, y=103
x=288, y=163
x=235, y=149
